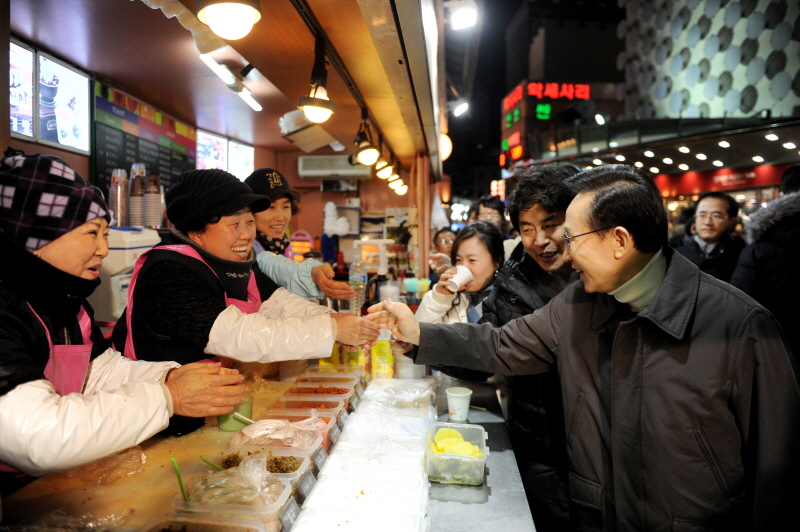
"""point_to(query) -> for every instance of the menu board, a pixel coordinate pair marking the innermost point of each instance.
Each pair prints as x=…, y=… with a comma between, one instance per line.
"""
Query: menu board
x=63, y=95
x=129, y=131
x=241, y=159
x=212, y=151
x=21, y=93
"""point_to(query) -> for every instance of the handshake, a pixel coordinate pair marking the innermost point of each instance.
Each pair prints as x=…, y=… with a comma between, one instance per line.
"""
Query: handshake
x=400, y=320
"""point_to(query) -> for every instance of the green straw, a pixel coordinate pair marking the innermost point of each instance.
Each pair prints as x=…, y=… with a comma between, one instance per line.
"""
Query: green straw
x=180, y=480
x=209, y=462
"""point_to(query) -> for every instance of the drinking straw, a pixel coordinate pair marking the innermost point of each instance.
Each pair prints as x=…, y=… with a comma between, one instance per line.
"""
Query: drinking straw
x=180, y=480
x=209, y=462
x=477, y=407
x=243, y=418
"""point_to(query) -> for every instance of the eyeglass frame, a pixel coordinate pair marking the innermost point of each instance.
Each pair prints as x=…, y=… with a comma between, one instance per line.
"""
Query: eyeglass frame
x=567, y=239
x=717, y=217
x=446, y=241
x=492, y=215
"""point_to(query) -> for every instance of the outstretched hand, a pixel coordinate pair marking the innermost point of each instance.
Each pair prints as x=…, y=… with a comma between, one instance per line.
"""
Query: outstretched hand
x=205, y=389
x=439, y=263
x=323, y=278
x=352, y=330
x=396, y=317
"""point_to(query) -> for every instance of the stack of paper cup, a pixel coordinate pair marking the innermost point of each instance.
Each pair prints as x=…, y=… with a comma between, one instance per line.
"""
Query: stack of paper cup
x=136, y=196
x=153, y=213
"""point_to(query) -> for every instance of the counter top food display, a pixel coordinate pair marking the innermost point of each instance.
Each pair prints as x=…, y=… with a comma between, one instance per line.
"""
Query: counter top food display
x=376, y=470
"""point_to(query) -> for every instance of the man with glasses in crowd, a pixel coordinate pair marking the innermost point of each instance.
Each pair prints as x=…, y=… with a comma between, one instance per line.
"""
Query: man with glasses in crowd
x=680, y=396
x=714, y=249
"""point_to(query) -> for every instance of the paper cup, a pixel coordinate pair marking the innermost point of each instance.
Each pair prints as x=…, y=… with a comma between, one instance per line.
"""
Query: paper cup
x=458, y=403
x=462, y=277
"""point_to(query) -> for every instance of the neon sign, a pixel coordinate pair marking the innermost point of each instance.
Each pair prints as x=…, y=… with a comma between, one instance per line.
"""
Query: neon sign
x=555, y=91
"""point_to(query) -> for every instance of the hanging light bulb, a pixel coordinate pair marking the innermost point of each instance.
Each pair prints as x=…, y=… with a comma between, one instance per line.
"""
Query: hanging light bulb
x=381, y=163
x=394, y=185
x=385, y=171
x=401, y=190
x=230, y=19
x=393, y=177
x=366, y=152
x=317, y=106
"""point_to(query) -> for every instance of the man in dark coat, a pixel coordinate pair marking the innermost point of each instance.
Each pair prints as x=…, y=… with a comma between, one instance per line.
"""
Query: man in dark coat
x=534, y=274
x=680, y=396
x=714, y=249
x=769, y=265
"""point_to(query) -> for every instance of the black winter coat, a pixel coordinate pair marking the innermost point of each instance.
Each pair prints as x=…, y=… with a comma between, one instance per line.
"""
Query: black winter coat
x=769, y=267
x=680, y=417
x=723, y=258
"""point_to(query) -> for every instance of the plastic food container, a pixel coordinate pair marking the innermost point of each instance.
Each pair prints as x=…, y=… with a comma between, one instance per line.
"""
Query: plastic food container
x=291, y=478
x=267, y=514
x=307, y=390
x=300, y=415
x=455, y=469
x=198, y=523
x=357, y=370
x=303, y=403
x=330, y=379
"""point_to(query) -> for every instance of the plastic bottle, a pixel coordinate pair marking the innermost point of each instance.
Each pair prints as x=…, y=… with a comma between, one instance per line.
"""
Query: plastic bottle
x=358, y=282
x=382, y=356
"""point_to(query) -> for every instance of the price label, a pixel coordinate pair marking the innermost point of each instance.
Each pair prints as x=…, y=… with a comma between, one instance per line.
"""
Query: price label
x=359, y=390
x=354, y=402
x=289, y=514
x=364, y=380
x=334, y=434
x=341, y=419
x=307, y=483
x=320, y=457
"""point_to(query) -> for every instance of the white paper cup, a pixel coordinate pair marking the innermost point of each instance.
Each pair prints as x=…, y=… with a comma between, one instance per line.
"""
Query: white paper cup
x=458, y=403
x=462, y=277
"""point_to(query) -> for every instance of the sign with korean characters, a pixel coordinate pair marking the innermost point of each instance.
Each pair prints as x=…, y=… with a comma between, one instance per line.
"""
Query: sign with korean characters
x=529, y=104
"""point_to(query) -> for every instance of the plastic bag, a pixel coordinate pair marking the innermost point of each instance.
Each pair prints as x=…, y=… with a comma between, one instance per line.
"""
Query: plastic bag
x=273, y=432
x=59, y=521
x=247, y=484
x=312, y=423
x=111, y=468
x=416, y=394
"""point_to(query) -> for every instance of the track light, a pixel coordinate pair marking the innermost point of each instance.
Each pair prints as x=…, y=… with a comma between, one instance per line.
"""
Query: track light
x=396, y=183
x=393, y=177
x=245, y=95
x=229, y=19
x=317, y=106
x=386, y=171
x=366, y=152
x=401, y=190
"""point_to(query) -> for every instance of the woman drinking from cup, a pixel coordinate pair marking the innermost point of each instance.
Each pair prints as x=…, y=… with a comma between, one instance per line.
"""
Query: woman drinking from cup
x=478, y=253
x=66, y=398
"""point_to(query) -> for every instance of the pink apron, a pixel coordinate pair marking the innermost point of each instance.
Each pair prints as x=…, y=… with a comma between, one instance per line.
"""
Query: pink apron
x=248, y=307
x=66, y=370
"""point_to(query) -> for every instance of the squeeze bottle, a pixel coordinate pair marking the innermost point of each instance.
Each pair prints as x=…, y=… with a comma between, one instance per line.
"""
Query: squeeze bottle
x=382, y=357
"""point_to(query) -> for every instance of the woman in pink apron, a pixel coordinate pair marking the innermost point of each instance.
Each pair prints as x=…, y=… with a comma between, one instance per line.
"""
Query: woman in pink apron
x=201, y=295
x=65, y=397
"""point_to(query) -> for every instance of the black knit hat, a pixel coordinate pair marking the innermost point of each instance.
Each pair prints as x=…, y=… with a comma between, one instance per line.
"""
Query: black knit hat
x=201, y=195
x=272, y=184
x=42, y=198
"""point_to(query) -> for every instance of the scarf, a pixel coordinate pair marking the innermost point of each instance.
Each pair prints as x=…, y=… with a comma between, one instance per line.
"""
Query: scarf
x=276, y=245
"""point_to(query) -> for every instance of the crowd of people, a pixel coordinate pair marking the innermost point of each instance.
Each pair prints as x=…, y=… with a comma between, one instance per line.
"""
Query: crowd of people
x=650, y=382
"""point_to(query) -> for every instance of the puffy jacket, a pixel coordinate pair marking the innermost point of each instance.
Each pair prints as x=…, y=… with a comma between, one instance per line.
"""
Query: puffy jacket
x=722, y=260
x=438, y=308
x=768, y=267
x=123, y=402
x=535, y=414
x=680, y=417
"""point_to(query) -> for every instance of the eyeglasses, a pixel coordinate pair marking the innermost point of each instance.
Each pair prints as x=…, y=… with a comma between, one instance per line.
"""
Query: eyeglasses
x=717, y=217
x=567, y=239
x=446, y=240
x=489, y=216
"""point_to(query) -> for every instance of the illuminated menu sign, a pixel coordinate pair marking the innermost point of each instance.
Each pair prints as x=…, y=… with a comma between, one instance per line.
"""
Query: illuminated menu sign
x=63, y=95
x=212, y=151
x=21, y=93
x=241, y=159
x=531, y=102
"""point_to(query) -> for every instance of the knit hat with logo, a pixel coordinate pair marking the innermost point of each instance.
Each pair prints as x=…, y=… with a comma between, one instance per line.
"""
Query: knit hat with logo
x=42, y=198
x=201, y=195
x=272, y=184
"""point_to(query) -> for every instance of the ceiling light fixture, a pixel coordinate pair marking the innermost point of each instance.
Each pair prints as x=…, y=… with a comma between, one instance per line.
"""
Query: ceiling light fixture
x=667, y=160
x=683, y=149
x=724, y=144
x=366, y=152
x=230, y=19
x=393, y=177
x=637, y=164
x=701, y=156
x=771, y=136
x=317, y=106
x=620, y=158
x=463, y=13
x=718, y=163
x=654, y=169
x=683, y=167
x=221, y=71
x=599, y=119
x=401, y=190
x=460, y=109
x=648, y=153
x=789, y=145
x=245, y=95
x=758, y=159
x=396, y=183
x=598, y=162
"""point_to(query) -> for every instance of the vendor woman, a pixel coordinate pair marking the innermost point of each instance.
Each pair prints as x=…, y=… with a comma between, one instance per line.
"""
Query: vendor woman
x=201, y=296
x=65, y=397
